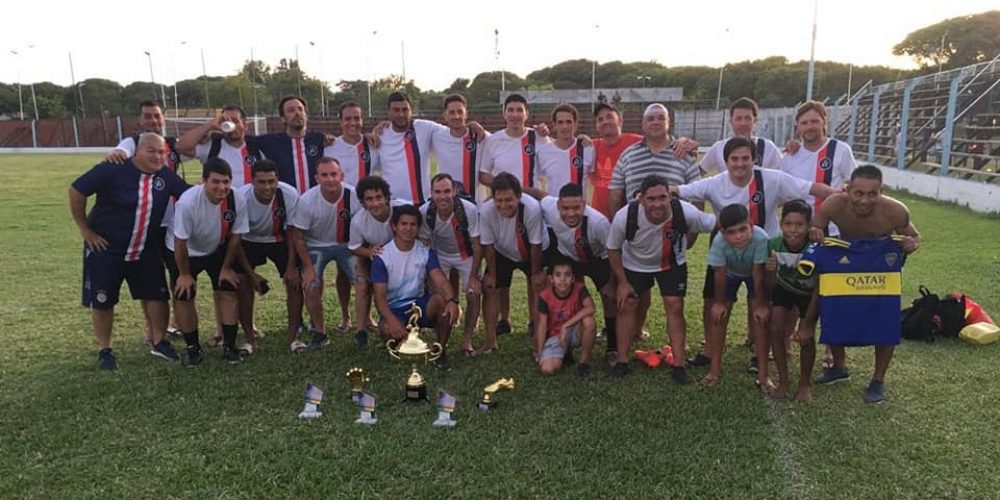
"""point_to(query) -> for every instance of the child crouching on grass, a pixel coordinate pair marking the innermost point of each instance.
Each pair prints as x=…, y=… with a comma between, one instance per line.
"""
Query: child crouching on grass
x=737, y=256
x=565, y=321
x=790, y=295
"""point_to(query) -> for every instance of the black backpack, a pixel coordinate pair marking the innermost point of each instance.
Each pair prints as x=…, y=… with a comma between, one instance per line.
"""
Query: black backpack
x=930, y=316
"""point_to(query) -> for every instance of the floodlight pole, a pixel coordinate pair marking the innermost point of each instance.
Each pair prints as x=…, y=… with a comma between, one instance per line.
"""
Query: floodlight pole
x=812, y=55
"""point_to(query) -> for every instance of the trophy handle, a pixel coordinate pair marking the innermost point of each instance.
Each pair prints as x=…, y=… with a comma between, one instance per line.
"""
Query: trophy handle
x=436, y=351
x=391, y=345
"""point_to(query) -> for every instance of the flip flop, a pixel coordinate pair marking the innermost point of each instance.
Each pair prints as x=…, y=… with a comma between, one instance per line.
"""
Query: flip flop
x=297, y=347
x=487, y=351
x=469, y=352
x=215, y=341
x=343, y=327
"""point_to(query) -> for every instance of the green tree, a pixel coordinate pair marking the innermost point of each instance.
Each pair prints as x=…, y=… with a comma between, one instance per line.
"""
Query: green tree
x=955, y=42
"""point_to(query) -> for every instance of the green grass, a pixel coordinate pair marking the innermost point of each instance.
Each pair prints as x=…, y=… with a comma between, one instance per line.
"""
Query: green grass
x=155, y=430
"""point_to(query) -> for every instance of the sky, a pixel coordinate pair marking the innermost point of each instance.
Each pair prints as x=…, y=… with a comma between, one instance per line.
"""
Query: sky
x=435, y=41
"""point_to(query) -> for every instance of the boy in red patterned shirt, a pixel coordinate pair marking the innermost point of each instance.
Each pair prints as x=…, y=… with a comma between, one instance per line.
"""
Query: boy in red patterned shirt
x=565, y=320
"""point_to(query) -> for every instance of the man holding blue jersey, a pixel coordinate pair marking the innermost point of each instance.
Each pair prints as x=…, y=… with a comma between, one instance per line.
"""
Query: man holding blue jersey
x=863, y=214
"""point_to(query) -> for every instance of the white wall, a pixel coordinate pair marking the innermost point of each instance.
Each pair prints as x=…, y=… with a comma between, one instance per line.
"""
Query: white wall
x=978, y=196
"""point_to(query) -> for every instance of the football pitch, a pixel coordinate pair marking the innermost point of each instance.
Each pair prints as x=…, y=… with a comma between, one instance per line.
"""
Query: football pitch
x=156, y=430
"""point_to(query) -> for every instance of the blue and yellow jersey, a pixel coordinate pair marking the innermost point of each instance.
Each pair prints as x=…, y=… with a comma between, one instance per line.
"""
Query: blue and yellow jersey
x=860, y=283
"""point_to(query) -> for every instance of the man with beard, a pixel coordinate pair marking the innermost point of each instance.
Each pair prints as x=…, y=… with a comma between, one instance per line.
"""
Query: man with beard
x=209, y=141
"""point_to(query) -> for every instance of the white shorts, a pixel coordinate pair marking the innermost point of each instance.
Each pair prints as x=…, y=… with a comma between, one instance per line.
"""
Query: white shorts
x=462, y=266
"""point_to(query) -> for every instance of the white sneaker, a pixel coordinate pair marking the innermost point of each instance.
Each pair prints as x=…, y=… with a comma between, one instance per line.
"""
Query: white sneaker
x=297, y=347
x=245, y=349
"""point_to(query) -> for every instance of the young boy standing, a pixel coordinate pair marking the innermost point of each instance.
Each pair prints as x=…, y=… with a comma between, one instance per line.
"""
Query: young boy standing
x=737, y=256
x=790, y=294
x=565, y=321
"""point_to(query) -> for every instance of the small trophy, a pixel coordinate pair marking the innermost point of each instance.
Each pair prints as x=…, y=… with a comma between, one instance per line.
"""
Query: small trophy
x=314, y=396
x=488, y=403
x=414, y=351
x=446, y=407
x=358, y=379
x=366, y=403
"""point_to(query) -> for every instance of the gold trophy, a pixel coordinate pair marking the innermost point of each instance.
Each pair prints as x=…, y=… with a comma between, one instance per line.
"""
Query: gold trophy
x=415, y=352
x=358, y=379
x=488, y=403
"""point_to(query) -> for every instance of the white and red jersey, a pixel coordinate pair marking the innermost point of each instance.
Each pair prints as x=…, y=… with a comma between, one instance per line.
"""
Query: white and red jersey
x=405, y=159
x=514, y=155
x=584, y=243
x=268, y=221
x=831, y=164
x=240, y=159
x=356, y=160
x=762, y=196
x=657, y=247
x=206, y=225
x=459, y=157
x=768, y=155
x=451, y=236
x=368, y=231
x=324, y=223
x=512, y=237
x=564, y=166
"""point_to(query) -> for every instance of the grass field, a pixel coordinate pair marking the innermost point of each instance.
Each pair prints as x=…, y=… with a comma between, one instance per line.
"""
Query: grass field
x=156, y=430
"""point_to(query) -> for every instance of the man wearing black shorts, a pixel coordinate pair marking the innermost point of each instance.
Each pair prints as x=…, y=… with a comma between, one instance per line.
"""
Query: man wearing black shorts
x=208, y=222
x=271, y=204
x=119, y=241
x=647, y=243
x=578, y=232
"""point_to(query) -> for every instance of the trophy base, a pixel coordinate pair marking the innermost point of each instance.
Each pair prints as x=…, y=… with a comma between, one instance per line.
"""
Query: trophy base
x=487, y=405
x=416, y=395
x=445, y=422
x=310, y=414
x=367, y=418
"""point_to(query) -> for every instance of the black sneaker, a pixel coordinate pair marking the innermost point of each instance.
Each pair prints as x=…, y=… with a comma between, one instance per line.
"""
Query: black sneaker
x=503, y=327
x=106, y=359
x=699, y=360
x=318, y=340
x=231, y=356
x=875, y=393
x=620, y=370
x=832, y=375
x=442, y=363
x=193, y=356
x=752, y=366
x=361, y=339
x=165, y=350
x=583, y=370
x=568, y=358
x=680, y=375
x=611, y=357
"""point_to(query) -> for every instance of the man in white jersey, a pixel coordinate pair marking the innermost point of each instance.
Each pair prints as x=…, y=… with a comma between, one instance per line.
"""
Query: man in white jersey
x=451, y=228
x=565, y=160
x=512, y=233
x=402, y=273
x=458, y=148
x=322, y=226
x=648, y=242
x=271, y=204
x=370, y=231
x=356, y=152
x=405, y=150
x=820, y=159
x=579, y=233
x=209, y=141
x=207, y=227
x=358, y=156
x=512, y=150
x=761, y=190
x=742, y=120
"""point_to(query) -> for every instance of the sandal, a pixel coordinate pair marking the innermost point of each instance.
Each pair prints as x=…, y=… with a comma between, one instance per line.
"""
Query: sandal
x=215, y=341
x=469, y=351
x=297, y=347
x=488, y=350
x=344, y=326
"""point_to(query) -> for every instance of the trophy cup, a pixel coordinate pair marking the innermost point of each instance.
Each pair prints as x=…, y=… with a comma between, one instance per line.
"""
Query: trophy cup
x=446, y=407
x=488, y=403
x=358, y=379
x=314, y=395
x=415, y=352
x=366, y=404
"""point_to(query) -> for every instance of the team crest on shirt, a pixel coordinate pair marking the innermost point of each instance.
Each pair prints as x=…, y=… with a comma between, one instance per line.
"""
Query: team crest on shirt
x=891, y=258
x=279, y=212
x=470, y=146
x=345, y=214
x=410, y=135
x=825, y=163
x=521, y=229
x=159, y=184
x=366, y=157
x=173, y=157
x=582, y=243
x=312, y=151
x=577, y=161
x=250, y=159
x=229, y=216
x=529, y=149
x=757, y=197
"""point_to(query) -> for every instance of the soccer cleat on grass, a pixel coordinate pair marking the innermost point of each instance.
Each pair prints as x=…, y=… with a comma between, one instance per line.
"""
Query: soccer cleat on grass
x=442, y=363
x=165, y=350
x=680, y=375
x=231, y=356
x=318, y=340
x=584, y=372
x=752, y=367
x=193, y=356
x=620, y=370
x=503, y=327
x=832, y=376
x=361, y=339
x=699, y=360
x=875, y=393
x=106, y=359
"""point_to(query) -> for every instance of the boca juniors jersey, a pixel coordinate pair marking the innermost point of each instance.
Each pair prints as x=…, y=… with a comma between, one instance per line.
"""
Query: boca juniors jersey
x=860, y=283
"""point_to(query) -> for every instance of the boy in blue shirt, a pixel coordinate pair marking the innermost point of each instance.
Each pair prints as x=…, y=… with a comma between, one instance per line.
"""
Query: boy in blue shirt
x=737, y=256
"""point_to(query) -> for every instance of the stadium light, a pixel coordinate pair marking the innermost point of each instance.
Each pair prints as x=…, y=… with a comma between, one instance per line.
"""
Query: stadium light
x=319, y=75
x=20, y=99
x=34, y=100
x=812, y=54
x=593, y=74
x=151, y=77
